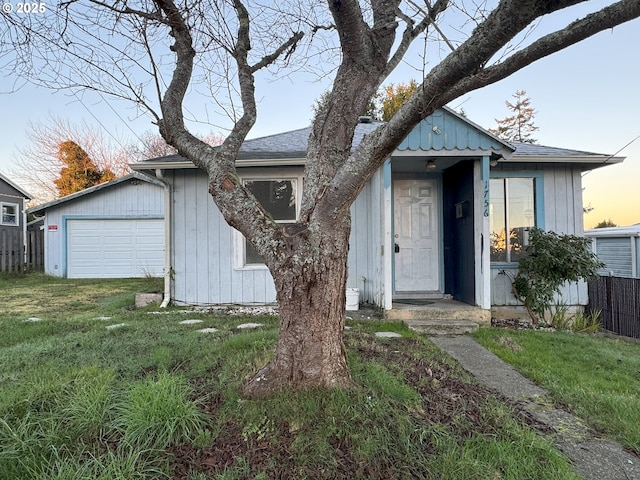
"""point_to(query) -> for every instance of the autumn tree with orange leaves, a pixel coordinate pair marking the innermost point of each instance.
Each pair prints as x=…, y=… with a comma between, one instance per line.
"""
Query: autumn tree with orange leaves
x=80, y=171
x=395, y=96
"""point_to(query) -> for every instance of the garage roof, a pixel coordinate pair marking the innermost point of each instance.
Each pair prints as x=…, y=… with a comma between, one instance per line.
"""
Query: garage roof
x=87, y=191
x=628, y=231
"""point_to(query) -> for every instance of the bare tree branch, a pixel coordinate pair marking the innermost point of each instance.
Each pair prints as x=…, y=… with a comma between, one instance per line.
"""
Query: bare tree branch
x=289, y=46
x=155, y=16
x=464, y=70
x=577, y=31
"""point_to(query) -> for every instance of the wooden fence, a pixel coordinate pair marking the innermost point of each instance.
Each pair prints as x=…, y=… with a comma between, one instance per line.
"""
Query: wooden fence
x=618, y=300
x=19, y=253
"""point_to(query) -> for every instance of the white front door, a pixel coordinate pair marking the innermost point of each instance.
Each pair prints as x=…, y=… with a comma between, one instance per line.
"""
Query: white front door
x=416, y=235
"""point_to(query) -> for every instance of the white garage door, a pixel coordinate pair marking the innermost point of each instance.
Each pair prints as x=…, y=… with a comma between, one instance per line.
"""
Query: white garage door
x=115, y=248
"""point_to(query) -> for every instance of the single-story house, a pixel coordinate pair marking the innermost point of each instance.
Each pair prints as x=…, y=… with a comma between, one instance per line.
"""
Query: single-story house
x=111, y=230
x=13, y=223
x=618, y=248
x=431, y=223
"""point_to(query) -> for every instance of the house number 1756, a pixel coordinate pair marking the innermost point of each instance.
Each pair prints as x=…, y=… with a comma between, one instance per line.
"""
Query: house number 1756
x=486, y=198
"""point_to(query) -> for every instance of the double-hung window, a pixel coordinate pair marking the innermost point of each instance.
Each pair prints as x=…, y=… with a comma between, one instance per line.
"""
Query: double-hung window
x=9, y=214
x=279, y=197
x=512, y=215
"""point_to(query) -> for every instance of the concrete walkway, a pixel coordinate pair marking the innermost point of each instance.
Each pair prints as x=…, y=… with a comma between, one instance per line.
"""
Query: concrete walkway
x=593, y=458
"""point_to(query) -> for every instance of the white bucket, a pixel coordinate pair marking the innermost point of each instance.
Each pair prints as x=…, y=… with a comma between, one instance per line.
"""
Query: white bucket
x=353, y=298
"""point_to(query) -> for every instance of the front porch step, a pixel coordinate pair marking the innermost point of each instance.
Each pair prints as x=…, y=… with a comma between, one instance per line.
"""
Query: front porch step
x=439, y=317
x=442, y=327
x=443, y=311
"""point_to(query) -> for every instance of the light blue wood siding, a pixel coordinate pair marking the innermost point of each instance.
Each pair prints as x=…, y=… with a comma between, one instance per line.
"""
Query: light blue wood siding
x=562, y=214
x=203, y=244
x=203, y=251
x=366, y=242
x=124, y=200
x=203, y=248
x=563, y=200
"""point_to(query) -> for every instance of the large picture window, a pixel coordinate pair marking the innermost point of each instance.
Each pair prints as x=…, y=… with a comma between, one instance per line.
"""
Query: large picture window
x=512, y=215
x=9, y=214
x=278, y=198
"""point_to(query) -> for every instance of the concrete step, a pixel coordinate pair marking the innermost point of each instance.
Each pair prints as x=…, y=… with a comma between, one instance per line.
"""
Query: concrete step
x=453, y=313
x=442, y=327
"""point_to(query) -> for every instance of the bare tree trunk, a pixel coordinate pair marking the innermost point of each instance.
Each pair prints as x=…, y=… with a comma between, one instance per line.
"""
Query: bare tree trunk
x=311, y=296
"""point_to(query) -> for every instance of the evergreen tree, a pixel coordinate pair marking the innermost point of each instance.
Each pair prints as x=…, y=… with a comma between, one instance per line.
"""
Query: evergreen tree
x=605, y=224
x=80, y=171
x=518, y=127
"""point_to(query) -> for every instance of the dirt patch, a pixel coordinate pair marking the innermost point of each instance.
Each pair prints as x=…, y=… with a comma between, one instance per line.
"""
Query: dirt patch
x=247, y=457
x=447, y=400
x=513, y=323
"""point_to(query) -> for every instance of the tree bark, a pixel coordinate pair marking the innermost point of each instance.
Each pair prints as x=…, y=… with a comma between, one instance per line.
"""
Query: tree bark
x=308, y=260
x=311, y=289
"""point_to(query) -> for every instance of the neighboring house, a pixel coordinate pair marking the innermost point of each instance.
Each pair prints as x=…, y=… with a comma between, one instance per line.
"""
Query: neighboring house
x=13, y=223
x=430, y=223
x=111, y=230
x=618, y=248
x=36, y=225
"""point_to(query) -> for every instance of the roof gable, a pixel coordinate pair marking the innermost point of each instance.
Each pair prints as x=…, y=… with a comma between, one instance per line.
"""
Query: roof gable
x=442, y=130
x=446, y=130
x=95, y=188
x=18, y=190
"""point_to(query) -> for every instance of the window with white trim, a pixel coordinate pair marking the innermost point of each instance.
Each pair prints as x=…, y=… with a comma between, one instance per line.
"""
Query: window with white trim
x=279, y=197
x=512, y=215
x=9, y=214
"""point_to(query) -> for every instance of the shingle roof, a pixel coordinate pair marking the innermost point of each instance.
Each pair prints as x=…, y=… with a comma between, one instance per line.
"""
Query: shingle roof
x=293, y=142
x=535, y=150
x=293, y=145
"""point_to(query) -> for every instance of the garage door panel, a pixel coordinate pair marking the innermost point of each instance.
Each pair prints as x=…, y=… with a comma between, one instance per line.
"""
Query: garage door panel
x=88, y=240
x=121, y=240
x=88, y=258
x=115, y=248
x=115, y=256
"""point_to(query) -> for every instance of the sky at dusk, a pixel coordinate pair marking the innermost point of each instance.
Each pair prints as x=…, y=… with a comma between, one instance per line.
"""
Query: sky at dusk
x=587, y=97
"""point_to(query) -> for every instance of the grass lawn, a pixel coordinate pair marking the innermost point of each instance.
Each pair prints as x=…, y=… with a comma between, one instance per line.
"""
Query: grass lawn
x=595, y=376
x=155, y=398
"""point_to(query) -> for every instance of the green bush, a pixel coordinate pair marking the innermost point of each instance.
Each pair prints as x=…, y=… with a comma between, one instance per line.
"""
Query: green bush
x=551, y=261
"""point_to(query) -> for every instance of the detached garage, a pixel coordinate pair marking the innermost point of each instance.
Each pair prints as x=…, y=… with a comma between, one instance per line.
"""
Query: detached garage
x=112, y=230
x=618, y=248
